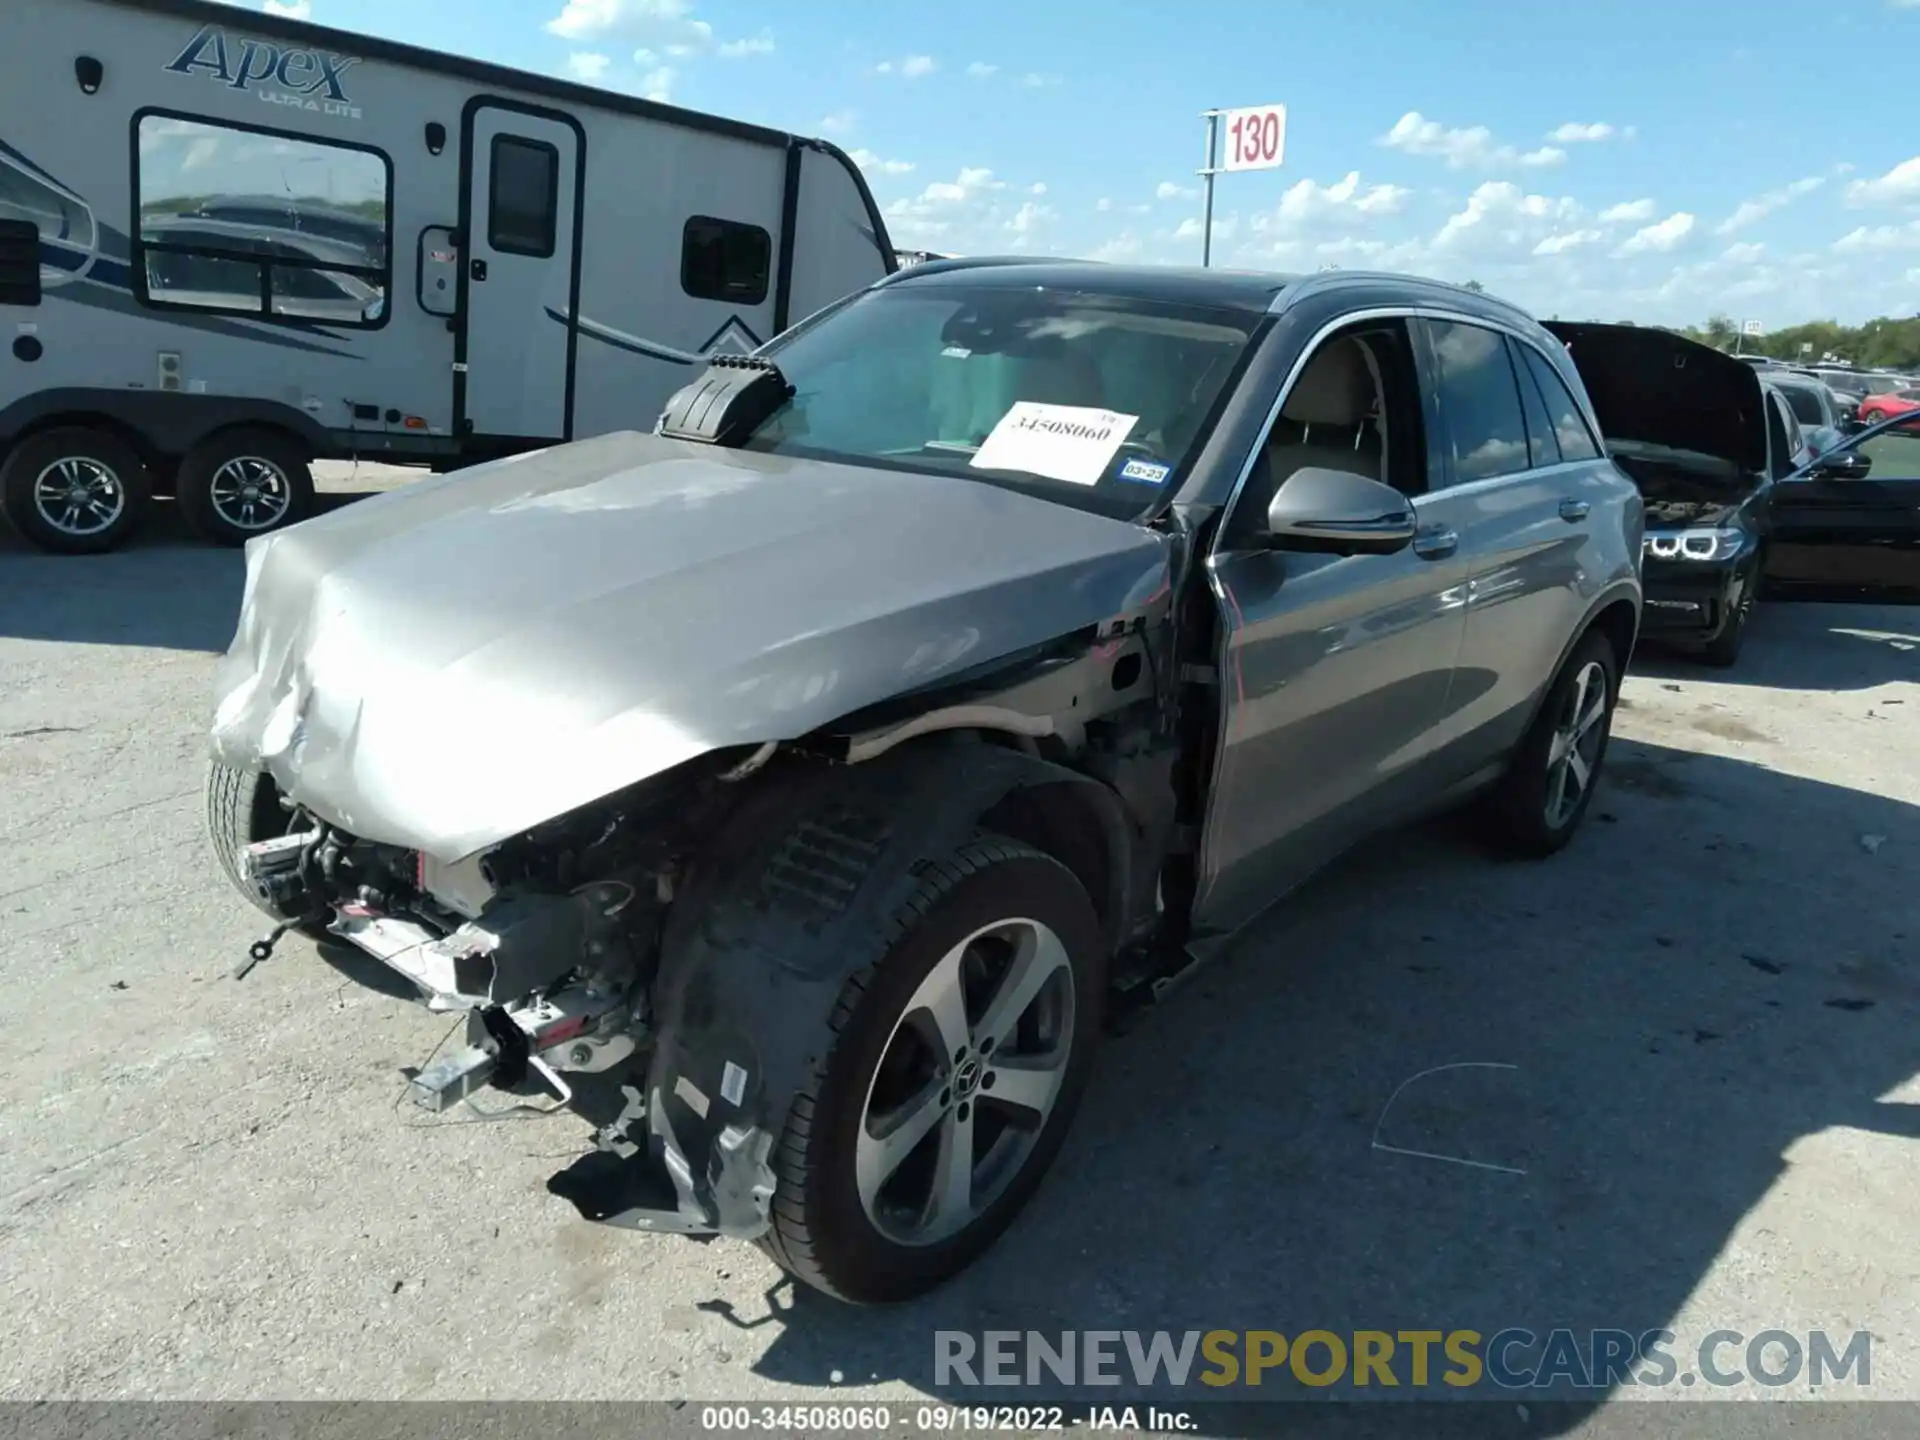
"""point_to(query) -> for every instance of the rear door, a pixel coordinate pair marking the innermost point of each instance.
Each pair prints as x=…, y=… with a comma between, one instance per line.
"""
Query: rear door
x=1852, y=538
x=514, y=362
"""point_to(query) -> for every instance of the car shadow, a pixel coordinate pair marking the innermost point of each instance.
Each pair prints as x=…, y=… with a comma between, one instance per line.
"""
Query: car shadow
x=1630, y=1060
x=1800, y=646
x=166, y=589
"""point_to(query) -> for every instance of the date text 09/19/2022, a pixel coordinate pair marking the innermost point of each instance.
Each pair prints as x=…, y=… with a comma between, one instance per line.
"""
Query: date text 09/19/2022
x=942, y=1419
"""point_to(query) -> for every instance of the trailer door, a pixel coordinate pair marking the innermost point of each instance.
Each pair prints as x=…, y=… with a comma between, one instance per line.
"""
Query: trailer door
x=523, y=171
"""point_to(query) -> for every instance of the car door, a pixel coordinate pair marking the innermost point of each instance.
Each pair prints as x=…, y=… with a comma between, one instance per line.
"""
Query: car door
x=1334, y=669
x=1851, y=538
x=1520, y=477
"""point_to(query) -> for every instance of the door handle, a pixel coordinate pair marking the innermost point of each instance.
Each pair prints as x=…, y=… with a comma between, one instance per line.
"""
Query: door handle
x=1436, y=543
x=1573, y=511
x=478, y=269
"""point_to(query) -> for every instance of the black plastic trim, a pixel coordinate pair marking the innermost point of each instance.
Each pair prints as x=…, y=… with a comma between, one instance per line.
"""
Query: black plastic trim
x=789, y=219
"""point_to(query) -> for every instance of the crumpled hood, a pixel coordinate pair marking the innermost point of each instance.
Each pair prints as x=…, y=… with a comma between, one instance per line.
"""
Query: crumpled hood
x=447, y=665
x=1652, y=387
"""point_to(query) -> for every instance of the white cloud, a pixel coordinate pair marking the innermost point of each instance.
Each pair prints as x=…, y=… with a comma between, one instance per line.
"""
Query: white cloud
x=1037, y=188
x=1744, y=253
x=1899, y=186
x=1026, y=221
x=1762, y=206
x=664, y=25
x=980, y=70
x=1500, y=216
x=1661, y=236
x=841, y=122
x=1881, y=238
x=1629, y=212
x=1566, y=240
x=1168, y=190
x=1034, y=80
x=761, y=44
x=588, y=67
x=1574, y=133
x=1103, y=204
x=1125, y=246
x=657, y=84
x=1305, y=201
x=1467, y=148
x=911, y=68
x=292, y=9
x=965, y=206
x=874, y=165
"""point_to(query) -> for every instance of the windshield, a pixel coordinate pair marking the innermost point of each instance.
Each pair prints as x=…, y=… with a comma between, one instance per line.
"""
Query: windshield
x=1096, y=401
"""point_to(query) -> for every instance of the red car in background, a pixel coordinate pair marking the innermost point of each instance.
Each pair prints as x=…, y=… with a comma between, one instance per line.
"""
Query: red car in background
x=1888, y=404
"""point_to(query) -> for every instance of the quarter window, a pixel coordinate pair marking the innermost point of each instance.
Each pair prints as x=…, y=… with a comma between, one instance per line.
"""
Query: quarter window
x=1541, y=445
x=523, y=196
x=725, y=260
x=258, y=223
x=1570, y=430
x=1479, y=401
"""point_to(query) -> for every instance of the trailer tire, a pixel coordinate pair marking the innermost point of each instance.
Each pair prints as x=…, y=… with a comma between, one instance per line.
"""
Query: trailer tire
x=242, y=483
x=74, y=490
x=825, y=1227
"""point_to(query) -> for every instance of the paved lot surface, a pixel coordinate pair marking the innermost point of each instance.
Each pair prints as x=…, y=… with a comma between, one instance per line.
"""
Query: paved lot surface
x=1709, y=1005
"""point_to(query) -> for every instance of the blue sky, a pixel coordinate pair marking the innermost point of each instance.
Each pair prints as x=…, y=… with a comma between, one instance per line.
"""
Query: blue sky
x=1613, y=159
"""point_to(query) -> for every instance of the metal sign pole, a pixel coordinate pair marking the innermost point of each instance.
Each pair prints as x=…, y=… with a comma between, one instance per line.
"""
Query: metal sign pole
x=1206, y=224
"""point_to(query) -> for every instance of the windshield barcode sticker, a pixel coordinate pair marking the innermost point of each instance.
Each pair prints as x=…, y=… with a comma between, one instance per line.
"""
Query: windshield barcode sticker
x=1069, y=443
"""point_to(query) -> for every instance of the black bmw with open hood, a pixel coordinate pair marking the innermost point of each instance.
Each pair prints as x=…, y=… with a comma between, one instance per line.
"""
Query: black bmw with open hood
x=1689, y=424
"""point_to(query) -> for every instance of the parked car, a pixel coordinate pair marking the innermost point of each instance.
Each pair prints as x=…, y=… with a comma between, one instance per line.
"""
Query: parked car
x=974, y=657
x=1811, y=400
x=1702, y=434
x=1901, y=400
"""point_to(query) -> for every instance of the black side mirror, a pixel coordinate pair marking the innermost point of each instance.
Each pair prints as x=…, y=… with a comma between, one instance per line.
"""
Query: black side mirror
x=1335, y=512
x=1847, y=465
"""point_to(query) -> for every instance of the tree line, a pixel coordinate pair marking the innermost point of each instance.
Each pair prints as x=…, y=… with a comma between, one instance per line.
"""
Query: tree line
x=1883, y=344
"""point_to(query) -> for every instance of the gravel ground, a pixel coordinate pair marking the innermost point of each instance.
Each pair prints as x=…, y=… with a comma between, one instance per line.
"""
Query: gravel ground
x=1708, y=1005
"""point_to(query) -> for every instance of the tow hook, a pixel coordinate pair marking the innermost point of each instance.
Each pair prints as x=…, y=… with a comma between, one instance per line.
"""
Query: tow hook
x=262, y=948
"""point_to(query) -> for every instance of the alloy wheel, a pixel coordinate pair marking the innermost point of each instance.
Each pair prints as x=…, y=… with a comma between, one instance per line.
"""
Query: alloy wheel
x=250, y=493
x=966, y=1082
x=1575, y=751
x=79, y=496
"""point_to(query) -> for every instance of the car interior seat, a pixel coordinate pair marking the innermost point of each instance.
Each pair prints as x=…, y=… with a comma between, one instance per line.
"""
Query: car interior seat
x=1331, y=419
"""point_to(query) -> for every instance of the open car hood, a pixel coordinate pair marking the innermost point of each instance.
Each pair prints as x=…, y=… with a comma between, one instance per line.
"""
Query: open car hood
x=450, y=664
x=1656, y=391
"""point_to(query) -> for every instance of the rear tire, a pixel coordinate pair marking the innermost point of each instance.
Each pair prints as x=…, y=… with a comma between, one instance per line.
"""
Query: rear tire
x=835, y=1225
x=242, y=483
x=1531, y=812
x=75, y=490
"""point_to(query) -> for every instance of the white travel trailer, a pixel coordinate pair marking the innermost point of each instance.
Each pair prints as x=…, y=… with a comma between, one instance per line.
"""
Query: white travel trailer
x=232, y=243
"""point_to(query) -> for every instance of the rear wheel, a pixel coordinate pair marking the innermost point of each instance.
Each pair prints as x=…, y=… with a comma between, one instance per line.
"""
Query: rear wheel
x=1544, y=796
x=241, y=483
x=952, y=1073
x=75, y=490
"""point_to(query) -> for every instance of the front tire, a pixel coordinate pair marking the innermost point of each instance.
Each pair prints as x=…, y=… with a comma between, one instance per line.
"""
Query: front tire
x=1723, y=651
x=75, y=490
x=243, y=808
x=1540, y=803
x=954, y=1067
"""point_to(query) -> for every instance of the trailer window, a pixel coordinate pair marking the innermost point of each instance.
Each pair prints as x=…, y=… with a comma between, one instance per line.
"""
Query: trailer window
x=523, y=196
x=725, y=260
x=260, y=223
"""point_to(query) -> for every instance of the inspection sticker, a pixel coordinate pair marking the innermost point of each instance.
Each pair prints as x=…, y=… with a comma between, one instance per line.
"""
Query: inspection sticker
x=1071, y=443
x=1147, y=472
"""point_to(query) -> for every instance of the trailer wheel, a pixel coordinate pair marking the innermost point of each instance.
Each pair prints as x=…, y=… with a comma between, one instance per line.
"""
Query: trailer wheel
x=75, y=490
x=242, y=483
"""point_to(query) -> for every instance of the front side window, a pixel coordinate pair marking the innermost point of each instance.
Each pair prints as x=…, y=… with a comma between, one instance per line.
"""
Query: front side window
x=1095, y=401
x=1480, y=401
x=260, y=224
x=725, y=260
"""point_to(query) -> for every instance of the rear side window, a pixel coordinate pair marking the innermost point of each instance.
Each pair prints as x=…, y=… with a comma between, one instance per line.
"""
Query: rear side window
x=725, y=260
x=1541, y=445
x=1479, y=401
x=523, y=200
x=1570, y=430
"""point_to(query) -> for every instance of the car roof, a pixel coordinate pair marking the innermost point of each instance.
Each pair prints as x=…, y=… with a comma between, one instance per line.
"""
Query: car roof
x=1245, y=290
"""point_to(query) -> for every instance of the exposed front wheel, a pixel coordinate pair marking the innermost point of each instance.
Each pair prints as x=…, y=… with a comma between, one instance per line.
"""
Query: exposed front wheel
x=242, y=483
x=1724, y=649
x=74, y=491
x=1545, y=794
x=954, y=1068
